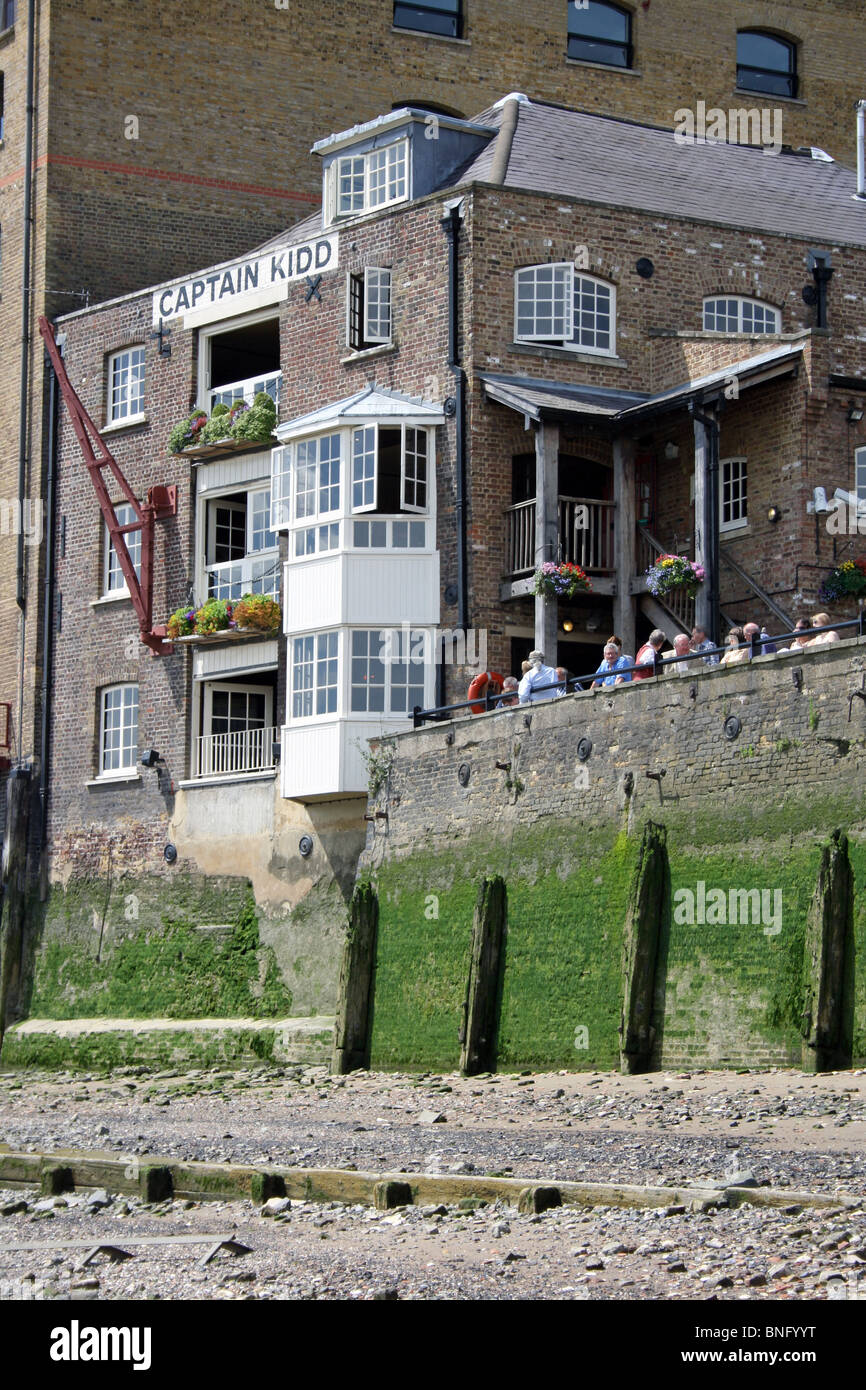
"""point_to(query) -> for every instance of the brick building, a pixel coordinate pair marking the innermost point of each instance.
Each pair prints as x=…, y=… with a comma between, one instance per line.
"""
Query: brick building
x=147, y=132
x=538, y=334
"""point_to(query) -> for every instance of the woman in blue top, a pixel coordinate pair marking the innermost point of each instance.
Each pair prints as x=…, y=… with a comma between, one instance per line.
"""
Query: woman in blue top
x=613, y=669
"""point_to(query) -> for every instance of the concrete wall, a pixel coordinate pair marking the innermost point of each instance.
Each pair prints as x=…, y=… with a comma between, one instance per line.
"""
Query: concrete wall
x=746, y=813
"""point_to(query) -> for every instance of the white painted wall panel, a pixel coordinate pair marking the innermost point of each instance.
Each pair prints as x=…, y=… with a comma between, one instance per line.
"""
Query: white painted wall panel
x=225, y=472
x=234, y=660
x=392, y=589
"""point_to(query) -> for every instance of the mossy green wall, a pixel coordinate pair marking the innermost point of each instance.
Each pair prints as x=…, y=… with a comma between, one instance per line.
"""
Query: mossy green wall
x=726, y=994
x=138, y=951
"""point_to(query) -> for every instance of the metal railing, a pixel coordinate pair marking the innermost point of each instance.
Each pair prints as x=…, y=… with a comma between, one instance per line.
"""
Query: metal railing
x=247, y=390
x=249, y=750
x=591, y=679
x=586, y=535
x=254, y=574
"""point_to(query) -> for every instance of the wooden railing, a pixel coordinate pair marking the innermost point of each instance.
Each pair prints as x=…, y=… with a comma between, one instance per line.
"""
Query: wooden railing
x=678, y=602
x=585, y=537
x=250, y=750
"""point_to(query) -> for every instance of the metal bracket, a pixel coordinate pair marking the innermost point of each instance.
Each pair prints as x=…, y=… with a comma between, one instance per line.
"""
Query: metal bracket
x=657, y=776
x=857, y=694
x=313, y=289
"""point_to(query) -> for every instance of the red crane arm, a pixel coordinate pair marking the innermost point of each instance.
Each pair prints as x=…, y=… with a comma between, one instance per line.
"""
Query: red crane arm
x=161, y=502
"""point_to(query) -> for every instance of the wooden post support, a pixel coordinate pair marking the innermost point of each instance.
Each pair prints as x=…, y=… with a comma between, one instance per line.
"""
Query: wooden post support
x=479, y=1033
x=640, y=950
x=827, y=1040
x=14, y=876
x=625, y=528
x=546, y=533
x=355, y=990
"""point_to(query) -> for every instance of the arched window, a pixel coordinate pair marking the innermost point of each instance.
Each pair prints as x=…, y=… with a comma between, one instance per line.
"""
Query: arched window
x=599, y=33
x=556, y=304
x=734, y=314
x=766, y=64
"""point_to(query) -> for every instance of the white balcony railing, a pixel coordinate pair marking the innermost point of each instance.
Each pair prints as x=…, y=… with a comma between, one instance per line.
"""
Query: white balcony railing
x=586, y=536
x=250, y=750
x=248, y=389
x=255, y=574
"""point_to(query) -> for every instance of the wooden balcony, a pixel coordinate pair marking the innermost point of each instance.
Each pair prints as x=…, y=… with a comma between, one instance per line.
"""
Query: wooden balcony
x=586, y=537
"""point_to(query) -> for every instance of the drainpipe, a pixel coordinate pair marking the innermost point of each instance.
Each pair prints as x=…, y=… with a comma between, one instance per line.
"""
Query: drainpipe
x=48, y=599
x=711, y=514
x=26, y=293
x=861, y=150
x=451, y=224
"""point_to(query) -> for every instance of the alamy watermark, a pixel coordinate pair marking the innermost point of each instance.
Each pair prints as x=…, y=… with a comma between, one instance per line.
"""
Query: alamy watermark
x=451, y=647
x=21, y=518
x=715, y=907
x=737, y=126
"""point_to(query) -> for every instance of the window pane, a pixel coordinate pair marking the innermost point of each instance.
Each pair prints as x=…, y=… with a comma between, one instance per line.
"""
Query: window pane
x=127, y=384
x=261, y=536
x=119, y=728
x=433, y=17
x=766, y=64
x=364, y=467
x=599, y=33
x=114, y=577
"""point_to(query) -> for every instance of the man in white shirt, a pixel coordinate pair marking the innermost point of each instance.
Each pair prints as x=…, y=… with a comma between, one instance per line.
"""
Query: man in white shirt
x=538, y=675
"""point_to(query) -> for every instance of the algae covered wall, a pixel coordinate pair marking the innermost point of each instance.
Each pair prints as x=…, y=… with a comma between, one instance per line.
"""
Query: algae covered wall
x=746, y=819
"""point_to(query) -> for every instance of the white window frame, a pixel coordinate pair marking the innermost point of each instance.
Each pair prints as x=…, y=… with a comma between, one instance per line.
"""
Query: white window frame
x=726, y=467
x=124, y=769
x=570, y=279
x=741, y=301
x=394, y=655
x=364, y=480
x=860, y=475
x=125, y=513
x=316, y=662
x=361, y=169
x=415, y=480
x=372, y=331
x=210, y=574
x=216, y=330
x=118, y=406
x=212, y=686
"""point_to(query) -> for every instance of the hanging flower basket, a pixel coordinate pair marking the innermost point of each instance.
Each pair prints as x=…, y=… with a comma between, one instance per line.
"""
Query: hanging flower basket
x=845, y=581
x=674, y=572
x=561, y=581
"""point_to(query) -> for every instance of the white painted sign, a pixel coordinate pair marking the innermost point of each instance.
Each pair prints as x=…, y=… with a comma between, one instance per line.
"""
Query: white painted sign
x=246, y=284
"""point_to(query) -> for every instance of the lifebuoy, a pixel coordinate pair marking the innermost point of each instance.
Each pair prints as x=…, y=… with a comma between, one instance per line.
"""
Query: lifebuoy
x=479, y=687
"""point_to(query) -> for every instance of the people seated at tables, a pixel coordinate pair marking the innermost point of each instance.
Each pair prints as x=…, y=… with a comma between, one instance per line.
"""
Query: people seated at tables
x=755, y=637
x=803, y=629
x=509, y=694
x=645, y=661
x=681, y=648
x=701, y=643
x=737, y=649
x=614, y=670
x=538, y=676
x=822, y=620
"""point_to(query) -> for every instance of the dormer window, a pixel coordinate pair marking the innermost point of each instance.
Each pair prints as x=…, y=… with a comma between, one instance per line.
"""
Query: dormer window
x=734, y=314
x=373, y=180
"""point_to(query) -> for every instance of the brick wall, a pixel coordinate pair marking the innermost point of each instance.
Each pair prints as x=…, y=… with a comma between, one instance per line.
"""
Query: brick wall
x=743, y=813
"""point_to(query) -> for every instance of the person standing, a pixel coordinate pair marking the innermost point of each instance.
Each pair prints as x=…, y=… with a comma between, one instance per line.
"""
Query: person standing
x=538, y=676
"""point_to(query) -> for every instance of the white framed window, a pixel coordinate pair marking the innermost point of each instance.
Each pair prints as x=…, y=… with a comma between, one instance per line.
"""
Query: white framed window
x=317, y=477
x=734, y=314
x=238, y=732
x=118, y=737
x=369, y=308
x=733, y=494
x=860, y=475
x=315, y=674
x=316, y=540
x=373, y=180
x=387, y=670
x=389, y=535
x=113, y=579
x=241, y=551
x=364, y=472
x=557, y=305
x=126, y=385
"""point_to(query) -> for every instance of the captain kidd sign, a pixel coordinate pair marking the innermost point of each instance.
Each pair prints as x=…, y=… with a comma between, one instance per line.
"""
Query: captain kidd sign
x=242, y=285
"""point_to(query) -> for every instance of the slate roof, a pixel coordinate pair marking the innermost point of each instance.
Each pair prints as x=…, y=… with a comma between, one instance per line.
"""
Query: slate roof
x=372, y=402
x=623, y=164
x=547, y=399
